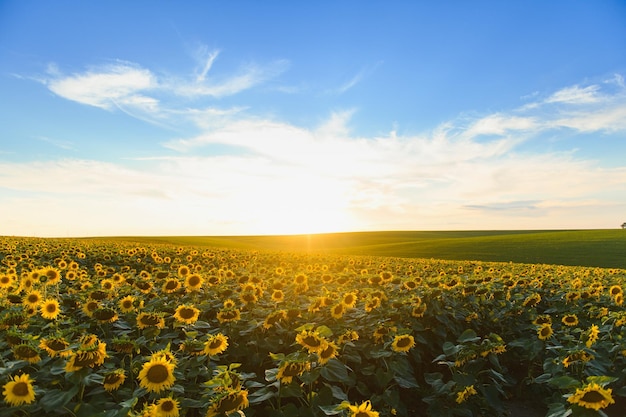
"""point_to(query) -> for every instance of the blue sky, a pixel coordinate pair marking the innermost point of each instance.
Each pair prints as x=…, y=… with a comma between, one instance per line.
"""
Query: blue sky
x=224, y=118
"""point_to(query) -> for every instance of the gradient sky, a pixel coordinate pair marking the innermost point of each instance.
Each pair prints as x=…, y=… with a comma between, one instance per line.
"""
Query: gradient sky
x=249, y=117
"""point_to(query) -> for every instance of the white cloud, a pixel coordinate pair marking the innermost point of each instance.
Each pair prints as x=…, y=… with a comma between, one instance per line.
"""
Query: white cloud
x=246, y=77
x=575, y=95
x=106, y=87
x=500, y=124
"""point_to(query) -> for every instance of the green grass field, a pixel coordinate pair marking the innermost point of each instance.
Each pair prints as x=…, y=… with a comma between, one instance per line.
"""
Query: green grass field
x=602, y=248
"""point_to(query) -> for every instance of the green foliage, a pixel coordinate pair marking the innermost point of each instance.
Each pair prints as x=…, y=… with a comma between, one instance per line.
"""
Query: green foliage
x=423, y=337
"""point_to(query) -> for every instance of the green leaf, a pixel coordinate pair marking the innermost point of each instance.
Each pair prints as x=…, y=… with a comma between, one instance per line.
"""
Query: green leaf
x=468, y=335
x=338, y=393
x=261, y=395
x=331, y=410
x=603, y=381
x=564, y=382
x=55, y=399
x=324, y=331
x=335, y=371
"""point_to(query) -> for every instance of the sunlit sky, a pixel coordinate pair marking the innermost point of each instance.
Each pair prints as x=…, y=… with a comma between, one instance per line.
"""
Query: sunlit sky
x=250, y=117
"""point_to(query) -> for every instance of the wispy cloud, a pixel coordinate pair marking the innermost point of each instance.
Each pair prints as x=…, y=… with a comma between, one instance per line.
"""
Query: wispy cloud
x=107, y=87
x=361, y=75
x=63, y=144
x=576, y=95
x=206, y=59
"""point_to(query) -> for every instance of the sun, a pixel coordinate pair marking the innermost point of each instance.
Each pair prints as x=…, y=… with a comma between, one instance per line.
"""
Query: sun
x=304, y=205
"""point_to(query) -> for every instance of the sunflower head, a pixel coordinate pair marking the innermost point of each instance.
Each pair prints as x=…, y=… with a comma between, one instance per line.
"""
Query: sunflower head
x=216, y=344
x=592, y=396
x=167, y=407
x=403, y=343
x=114, y=379
x=19, y=390
x=157, y=375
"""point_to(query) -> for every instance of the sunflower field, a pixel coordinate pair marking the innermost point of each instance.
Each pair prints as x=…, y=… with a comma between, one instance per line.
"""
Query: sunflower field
x=110, y=329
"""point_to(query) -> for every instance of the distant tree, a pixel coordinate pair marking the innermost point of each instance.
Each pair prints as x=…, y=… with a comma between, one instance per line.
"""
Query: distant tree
x=624, y=225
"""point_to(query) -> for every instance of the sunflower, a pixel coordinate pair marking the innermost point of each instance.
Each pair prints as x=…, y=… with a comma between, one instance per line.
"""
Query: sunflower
x=50, y=309
x=592, y=396
x=26, y=352
x=19, y=390
x=187, y=314
x=55, y=346
x=216, y=344
x=126, y=304
x=349, y=299
x=228, y=315
x=615, y=290
x=419, y=310
x=467, y=392
x=289, y=369
x=337, y=310
x=372, y=304
x=311, y=341
x=157, y=375
x=532, y=300
x=545, y=331
x=193, y=282
x=348, y=336
x=90, y=306
x=248, y=298
x=278, y=296
x=90, y=356
x=327, y=353
x=402, y=343
x=33, y=299
x=6, y=281
x=114, y=379
x=150, y=319
x=183, y=270
x=105, y=315
x=363, y=410
x=592, y=335
x=274, y=318
x=233, y=400
x=578, y=356
x=167, y=407
x=170, y=285
x=53, y=276
x=570, y=320
x=123, y=344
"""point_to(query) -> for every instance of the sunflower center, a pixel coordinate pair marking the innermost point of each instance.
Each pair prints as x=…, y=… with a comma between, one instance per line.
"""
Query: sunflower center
x=214, y=344
x=127, y=304
x=158, y=373
x=187, y=313
x=111, y=379
x=57, y=345
x=150, y=320
x=20, y=389
x=51, y=308
x=403, y=342
x=167, y=406
x=194, y=280
x=592, y=397
x=26, y=352
x=33, y=298
x=171, y=285
x=230, y=402
x=311, y=341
